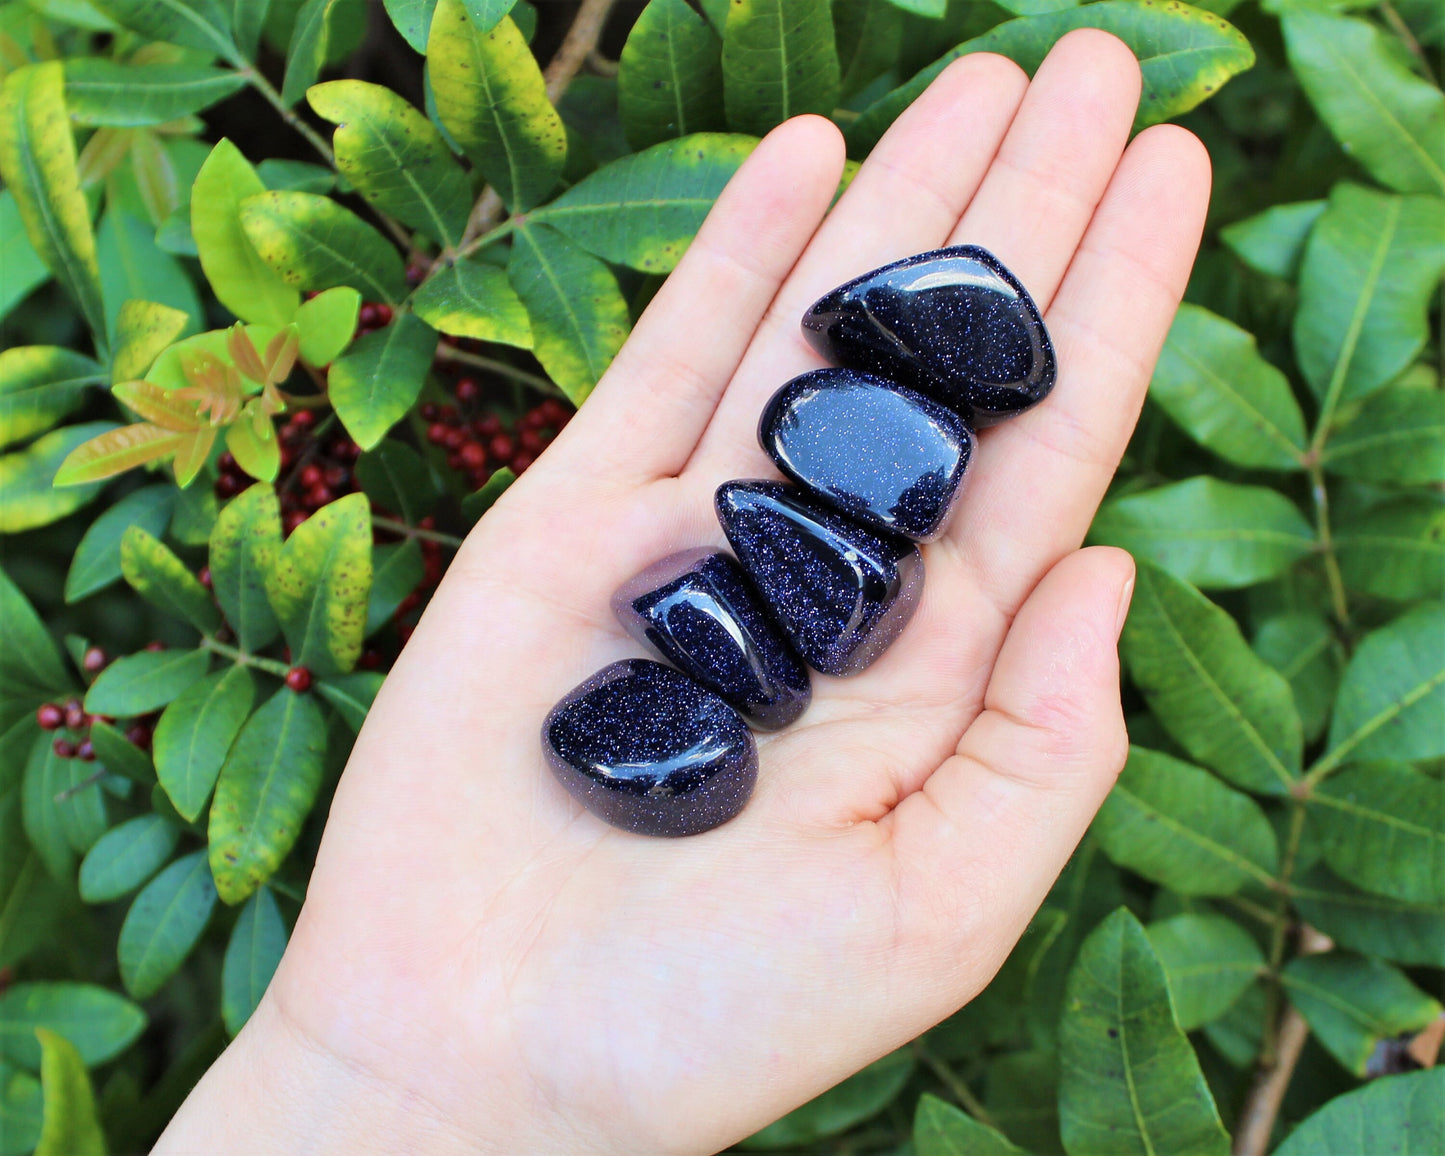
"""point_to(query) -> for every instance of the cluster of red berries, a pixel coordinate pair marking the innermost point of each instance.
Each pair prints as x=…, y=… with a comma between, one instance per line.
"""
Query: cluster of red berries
x=71, y=716
x=479, y=445
x=313, y=474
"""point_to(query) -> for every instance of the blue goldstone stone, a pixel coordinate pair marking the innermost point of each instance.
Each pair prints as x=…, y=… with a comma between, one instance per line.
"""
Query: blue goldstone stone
x=649, y=750
x=953, y=323
x=885, y=455
x=698, y=610
x=841, y=592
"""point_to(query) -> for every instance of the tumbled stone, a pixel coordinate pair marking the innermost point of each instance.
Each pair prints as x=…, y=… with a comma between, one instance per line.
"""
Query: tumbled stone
x=699, y=611
x=952, y=323
x=883, y=454
x=647, y=749
x=841, y=592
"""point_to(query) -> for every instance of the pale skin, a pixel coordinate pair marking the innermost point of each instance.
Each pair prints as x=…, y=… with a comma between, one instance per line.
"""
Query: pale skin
x=483, y=966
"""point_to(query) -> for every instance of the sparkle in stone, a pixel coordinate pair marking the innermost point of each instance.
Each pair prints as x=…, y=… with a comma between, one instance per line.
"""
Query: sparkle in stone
x=883, y=454
x=952, y=323
x=645, y=748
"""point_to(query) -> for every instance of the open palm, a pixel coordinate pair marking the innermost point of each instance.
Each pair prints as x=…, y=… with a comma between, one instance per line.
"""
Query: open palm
x=482, y=964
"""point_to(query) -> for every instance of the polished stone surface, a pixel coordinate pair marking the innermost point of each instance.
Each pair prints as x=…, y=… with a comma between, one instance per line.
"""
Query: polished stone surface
x=952, y=323
x=883, y=454
x=700, y=612
x=840, y=591
x=645, y=748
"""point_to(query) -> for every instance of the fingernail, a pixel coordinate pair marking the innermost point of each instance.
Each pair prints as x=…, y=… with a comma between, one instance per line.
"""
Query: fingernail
x=1126, y=596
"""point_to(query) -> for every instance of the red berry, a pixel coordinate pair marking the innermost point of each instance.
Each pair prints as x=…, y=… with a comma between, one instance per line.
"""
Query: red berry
x=436, y=433
x=366, y=315
x=310, y=475
x=49, y=716
x=318, y=496
x=404, y=632
x=468, y=390
x=427, y=523
x=383, y=314
x=531, y=441
x=298, y=678
x=408, y=604
x=487, y=427
x=455, y=438
x=74, y=715
x=521, y=462
x=370, y=659
x=479, y=478
x=155, y=645
x=204, y=577
x=227, y=486
x=85, y=752
x=430, y=411
x=63, y=748
x=94, y=660
x=449, y=414
x=415, y=273
x=472, y=455
x=501, y=448
x=292, y=519
x=337, y=476
x=227, y=462
x=140, y=735
x=303, y=419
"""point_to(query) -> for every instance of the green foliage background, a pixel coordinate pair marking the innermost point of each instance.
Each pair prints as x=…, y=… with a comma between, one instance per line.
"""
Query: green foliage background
x=1271, y=865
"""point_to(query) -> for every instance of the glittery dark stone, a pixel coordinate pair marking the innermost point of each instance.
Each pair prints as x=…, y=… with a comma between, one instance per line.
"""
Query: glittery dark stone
x=953, y=323
x=885, y=455
x=647, y=749
x=840, y=591
x=700, y=612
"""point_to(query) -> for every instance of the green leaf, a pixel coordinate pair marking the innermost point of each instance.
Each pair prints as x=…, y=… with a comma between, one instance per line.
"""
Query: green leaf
x=158, y=576
x=259, y=454
x=351, y=695
x=143, y=330
x=1273, y=242
x=20, y=1111
x=1186, y=55
x=248, y=18
x=24, y=270
x=486, y=14
x=309, y=47
x=1212, y=381
x=1220, y=701
x=1214, y=534
x=395, y=158
x=124, y=858
x=578, y=314
x=105, y=92
x=326, y=324
x=940, y=1129
x=1372, y=264
x=644, y=210
x=1302, y=648
x=1352, y=1003
x=378, y=379
x=669, y=77
x=1397, y=929
x=99, y=1022
x=1128, y=1079
x=120, y=756
x=412, y=19
x=1382, y=826
x=1383, y=115
x=397, y=571
x=315, y=244
x=1178, y=825
x=869, y=37
x=203, y=24
x=61, y=816
x=242, y=281
x=320, y=584
x=477, y=503
x=69, y=1126
x=133, y=266
x=473, y=298
x=1398, y=1114
x=39, y=385
x=266, y=789
x=245, y=544
x=1021, y=1093
x=1398, y=436
x=37, y=161
x=31, y=668
x=1391, y=703
x=195, y=734
x=491, y=98
x=779, y=59
x=254, y=950
x=163, y=924
x=1395, y=550
x=396, y=478
x=856, y=1099
x=1209, y=961
x=96, y=561
x=140, y=683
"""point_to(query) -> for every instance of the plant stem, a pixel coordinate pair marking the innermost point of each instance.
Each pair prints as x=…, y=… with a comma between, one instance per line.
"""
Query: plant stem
x=82, y=785
x=397, y=527
x=482, y=238
x=1320, y=493
x=501, y=368
x=577, y=45
x=483, y=221
x=1268, y=1050
x=957, y=1087
x=266, y=89
x=269, y=665
x=1402, y=30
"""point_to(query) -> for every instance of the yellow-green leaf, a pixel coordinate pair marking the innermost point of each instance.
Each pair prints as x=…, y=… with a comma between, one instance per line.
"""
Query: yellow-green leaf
x=195, y=733
x=163, y=580
x=310, y=44
x=257, y=451
x=473, y=298
x=374, y=384
x=29, y=478
x=326, y=324
x=39, y=385
x=245, y=543
x=70, y=1126
x=143, y=329
x=110, y=453
x=669, y=79
x=779, y=59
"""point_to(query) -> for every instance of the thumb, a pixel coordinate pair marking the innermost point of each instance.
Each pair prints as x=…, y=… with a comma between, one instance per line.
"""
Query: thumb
x=982, y=842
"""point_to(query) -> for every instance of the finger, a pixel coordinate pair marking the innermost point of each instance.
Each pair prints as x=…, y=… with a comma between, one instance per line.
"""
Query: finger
x=1056, y=161
x=905, y=198
x=1108, y=321
x=979, y=845
x=646, y=414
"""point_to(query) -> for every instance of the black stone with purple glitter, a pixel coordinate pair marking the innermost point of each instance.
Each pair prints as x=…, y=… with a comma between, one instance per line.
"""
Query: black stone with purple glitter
x=645, y=748
x=952, y=323
x=698, y=610
x=881, y=453
x=840, y=591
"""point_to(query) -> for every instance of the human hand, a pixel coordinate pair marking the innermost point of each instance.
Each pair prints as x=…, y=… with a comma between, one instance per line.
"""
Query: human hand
x=480, y=964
